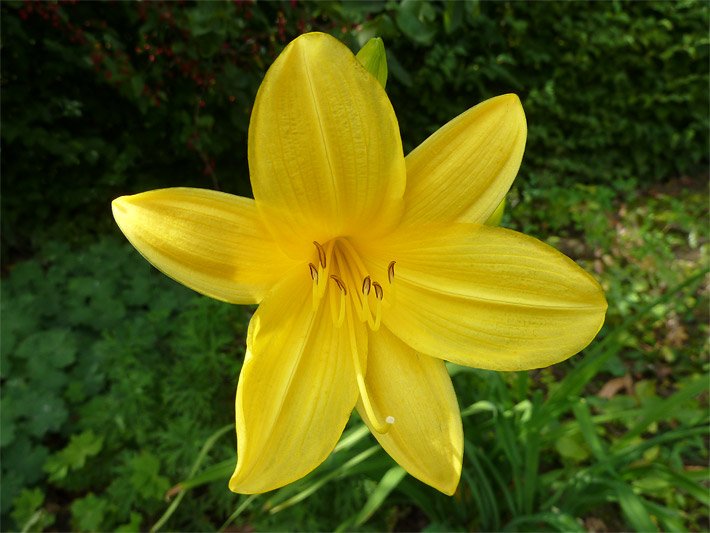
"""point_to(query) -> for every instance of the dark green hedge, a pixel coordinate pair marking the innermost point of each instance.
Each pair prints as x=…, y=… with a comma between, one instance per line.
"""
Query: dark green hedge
x=104, y=99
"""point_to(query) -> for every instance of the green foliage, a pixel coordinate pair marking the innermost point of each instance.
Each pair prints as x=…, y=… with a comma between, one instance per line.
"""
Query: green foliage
x=74, y=456
x=88, y=513
x=123, y=96
x=614, y=93
x=99, y=334
x=28, y=512
x=159, y=94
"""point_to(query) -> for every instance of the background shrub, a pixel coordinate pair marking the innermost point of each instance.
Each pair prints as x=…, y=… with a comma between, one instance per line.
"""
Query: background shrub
x=101, y=100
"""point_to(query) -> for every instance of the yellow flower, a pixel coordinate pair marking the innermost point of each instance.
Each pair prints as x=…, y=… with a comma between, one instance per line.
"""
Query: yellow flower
x=370, y=269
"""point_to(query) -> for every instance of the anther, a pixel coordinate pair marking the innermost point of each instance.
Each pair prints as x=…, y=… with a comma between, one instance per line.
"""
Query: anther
x=339, y=283
x=366, y=284
x=379, y=294
x=378, y=290
x=321, y=253
x=390, y=272
x=314, y=272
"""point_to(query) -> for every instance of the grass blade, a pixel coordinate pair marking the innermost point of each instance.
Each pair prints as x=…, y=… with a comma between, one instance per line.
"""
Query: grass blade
x=387, y=484
x=206, y=447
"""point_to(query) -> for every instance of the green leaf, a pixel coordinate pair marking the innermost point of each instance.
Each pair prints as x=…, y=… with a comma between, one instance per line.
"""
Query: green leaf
x=55, y=347
x=312, y=485
x=659, y=476
x=7, y=424
x=74, y=455
x=633, y=508
x=584, y=417
x=571, y=448
x=145, y=477
x=133, y=525
x=28, y=513
x=387, y=484
x=666, y=409
x=374, y=59
x=416, y=19
x=88, y=513
x=222, y=470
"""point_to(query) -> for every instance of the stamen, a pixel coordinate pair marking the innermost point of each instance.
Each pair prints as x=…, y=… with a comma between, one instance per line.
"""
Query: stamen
x=366, y=284
x=321, y=253
x=379, y=294
x=339, y=283
x=378, y=290
x=315, y=292
x=377, y=425
x=390, y=272
x=340, y=318
x=314, y=272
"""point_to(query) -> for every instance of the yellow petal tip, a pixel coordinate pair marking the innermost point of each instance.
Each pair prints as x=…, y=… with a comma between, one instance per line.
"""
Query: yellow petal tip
x=120, y=207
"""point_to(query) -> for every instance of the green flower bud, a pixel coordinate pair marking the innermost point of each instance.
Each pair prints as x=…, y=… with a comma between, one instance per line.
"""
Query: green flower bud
x=373, y=58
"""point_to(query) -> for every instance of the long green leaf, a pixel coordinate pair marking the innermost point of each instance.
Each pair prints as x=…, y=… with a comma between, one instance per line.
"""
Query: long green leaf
x=678, y=480
x=201, y=456
x=387, y=484
x=320, y=482
x=588, y=428
x=559, y=521
x=481, y=490
x=633, y=507
x=494, y=473
x=246, y=501
x=666, y=408
x=596, y=357
x=221, y=470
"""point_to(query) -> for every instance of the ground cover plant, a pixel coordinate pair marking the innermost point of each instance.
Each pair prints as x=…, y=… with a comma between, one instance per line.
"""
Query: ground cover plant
x=118, y=384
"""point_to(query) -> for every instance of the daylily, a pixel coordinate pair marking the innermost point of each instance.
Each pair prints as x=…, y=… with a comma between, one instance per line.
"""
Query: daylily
x=370, y=269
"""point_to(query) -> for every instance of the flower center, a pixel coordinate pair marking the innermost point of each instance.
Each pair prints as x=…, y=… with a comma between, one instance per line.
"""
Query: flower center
x=338, y=270
x=338, y=267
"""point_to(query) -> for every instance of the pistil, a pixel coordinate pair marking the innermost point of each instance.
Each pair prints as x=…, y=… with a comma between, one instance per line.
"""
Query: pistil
x=377, y=424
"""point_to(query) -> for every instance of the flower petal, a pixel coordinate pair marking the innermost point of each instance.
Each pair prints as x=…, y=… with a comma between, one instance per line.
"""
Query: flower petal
x=426, y=438
x=325, y=154
x=212, y=242
x=463, y=171
x=488, y=297
x=296, y=389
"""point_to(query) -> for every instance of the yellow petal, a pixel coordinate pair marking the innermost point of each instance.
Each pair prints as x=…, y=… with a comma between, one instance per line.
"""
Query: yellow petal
x=426, y=438
x=296, y=389
x=212, y=242
x=325, y=154
x=463, y=171
x=488, y=297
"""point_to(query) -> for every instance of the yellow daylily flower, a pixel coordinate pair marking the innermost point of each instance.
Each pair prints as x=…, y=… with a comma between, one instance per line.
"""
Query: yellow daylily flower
x=370, y=269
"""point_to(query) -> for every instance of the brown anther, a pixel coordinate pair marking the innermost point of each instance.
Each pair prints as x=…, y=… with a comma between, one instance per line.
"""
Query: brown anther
x=378, y=290
x=321, y=253
x=314, y=272
x=366, y=284
x=390, y=272
x=339, y=283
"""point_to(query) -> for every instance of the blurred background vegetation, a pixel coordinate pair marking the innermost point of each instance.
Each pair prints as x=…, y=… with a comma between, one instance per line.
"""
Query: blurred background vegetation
x=118, y=384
